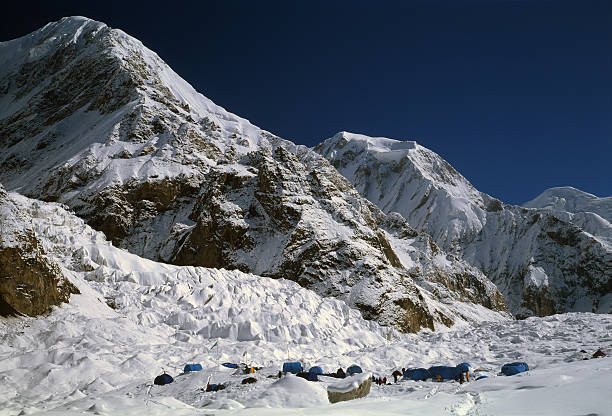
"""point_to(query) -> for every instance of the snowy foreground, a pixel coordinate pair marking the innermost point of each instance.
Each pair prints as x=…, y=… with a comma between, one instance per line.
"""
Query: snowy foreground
x=135, y=318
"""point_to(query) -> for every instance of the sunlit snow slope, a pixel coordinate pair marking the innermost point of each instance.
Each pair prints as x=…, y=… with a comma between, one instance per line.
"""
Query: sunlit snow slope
x=552, y=259
x=134, y=316
x=572, y=200
x=93, y=119
x=87, y=357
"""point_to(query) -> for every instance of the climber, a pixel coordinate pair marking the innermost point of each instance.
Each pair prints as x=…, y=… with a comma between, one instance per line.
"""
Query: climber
x=599, y=353
x=396, y=374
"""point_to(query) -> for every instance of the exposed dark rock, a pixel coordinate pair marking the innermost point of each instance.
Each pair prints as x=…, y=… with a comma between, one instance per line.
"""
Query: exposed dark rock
x=31, y=282
x=168, y=175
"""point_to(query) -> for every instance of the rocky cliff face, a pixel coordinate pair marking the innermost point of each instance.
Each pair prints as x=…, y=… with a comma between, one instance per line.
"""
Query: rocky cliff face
x=31, y=282
x=544, y=261
x=164, y=172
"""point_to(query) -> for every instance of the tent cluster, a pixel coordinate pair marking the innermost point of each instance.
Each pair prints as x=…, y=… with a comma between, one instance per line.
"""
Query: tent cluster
x=459, y=373
x=313, y=373
x=165, y=378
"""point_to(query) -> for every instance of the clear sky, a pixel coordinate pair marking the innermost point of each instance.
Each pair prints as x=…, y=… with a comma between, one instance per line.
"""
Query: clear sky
x=516, y=95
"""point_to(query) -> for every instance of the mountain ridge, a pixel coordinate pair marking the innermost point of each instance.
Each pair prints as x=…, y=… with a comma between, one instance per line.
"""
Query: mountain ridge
x=170, y=176
x=544, y=261
x=572, y=200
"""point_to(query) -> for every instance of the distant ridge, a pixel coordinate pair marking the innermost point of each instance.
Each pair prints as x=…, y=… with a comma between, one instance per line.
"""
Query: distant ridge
x=551, y=259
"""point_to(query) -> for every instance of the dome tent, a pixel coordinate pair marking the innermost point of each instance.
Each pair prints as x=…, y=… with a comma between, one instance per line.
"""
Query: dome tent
x=417, y=374
x=445, y=372
x=316, y=370
x=292, y=367
x=163, y=379
x=192, y=367
x=354, y=369
x=514, y=368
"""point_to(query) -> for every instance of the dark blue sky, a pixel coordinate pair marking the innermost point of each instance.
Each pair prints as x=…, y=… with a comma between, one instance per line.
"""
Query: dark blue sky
x=517, y=95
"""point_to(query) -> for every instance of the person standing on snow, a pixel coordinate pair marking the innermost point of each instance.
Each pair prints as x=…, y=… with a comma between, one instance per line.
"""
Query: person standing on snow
x=396, y=374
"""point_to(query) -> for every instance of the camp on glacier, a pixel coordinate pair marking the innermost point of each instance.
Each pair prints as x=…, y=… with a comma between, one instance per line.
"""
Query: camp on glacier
x=149, y=234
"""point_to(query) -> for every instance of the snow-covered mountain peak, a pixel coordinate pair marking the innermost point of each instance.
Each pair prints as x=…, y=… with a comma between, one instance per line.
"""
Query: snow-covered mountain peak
x=377, y=144
x=405, y=177
x=345, y=146
x=543, y=260
x=48, y=39
x=104, y=126
x=90, y=55
x=572, y=200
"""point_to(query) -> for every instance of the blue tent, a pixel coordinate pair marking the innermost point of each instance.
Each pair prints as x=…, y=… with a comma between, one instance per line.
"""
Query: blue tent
x=354, y=369
x=514, y=368
x=163, y=379
x=215, y=387
x=316, y=370
x=464, y=367
x=230, y=365
x=417, y=374
x=445, y=372
x=292, y=367
x=192, y=367
x=308, y=376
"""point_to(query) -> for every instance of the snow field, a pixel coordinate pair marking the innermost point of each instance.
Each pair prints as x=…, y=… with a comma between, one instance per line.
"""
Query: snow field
x=87, y=356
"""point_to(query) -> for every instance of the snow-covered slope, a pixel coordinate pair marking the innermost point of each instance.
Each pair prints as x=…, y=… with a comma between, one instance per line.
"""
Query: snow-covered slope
x=93, y=119
x=590, y=213
x=133, y=316
x=405, y=177
x=572, y=200
x=543, y=261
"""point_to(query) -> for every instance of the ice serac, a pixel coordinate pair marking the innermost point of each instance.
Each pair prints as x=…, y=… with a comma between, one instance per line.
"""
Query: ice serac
x=93, y=119
x=553, y=258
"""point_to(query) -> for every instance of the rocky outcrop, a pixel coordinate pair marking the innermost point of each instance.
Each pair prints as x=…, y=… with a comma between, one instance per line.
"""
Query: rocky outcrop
x=170, y=176
x=361, y=390
x=31, y=281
